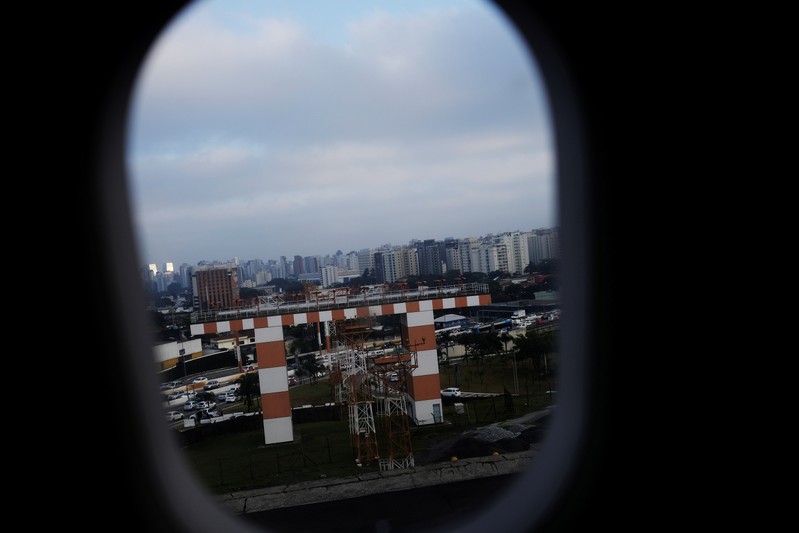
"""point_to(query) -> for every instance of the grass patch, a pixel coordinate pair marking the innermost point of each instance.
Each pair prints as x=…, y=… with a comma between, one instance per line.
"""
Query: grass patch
x=241, y=461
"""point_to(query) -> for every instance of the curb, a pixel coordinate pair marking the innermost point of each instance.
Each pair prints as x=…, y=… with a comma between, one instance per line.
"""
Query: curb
x=326, y=490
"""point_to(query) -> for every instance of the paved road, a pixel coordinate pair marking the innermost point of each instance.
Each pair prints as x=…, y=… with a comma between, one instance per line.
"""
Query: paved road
x=433, y=508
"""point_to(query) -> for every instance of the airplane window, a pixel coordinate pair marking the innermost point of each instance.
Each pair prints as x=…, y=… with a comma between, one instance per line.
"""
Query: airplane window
x=352, y=208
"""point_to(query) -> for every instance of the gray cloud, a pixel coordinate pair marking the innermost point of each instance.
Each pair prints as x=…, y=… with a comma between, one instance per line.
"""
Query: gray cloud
x=264, y=143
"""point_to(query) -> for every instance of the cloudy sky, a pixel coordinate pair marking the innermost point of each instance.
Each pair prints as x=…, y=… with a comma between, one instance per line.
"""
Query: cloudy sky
x=262, y=128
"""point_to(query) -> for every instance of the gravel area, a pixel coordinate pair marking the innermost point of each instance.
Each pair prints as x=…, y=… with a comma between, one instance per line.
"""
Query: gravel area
x=503, y=437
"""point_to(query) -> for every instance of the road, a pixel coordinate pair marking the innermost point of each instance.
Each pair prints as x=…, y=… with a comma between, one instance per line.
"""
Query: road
x=433, y=508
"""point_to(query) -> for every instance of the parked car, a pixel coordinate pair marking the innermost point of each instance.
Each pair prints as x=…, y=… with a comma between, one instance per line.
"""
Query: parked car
x=204, y=396
x=232, y=396
x=175, y=395
x=212, y=384
x=202, y=414
x=292, y=381
x=451, y=392
x=204, y=405
x=190, y=405
x=200, y=379
x=171, y=416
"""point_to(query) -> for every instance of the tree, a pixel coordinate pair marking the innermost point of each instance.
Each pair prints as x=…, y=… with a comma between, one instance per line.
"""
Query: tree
x=446, y=337
x=506, y=338
x=536, y=347
x=174, y=289
x=488, y=343
x=250, y=388
x=248, y=293
x=528, y=292
x=311, y=367
x=478, y=345
x=469, y=343
x=513, y=291
x=304, y=338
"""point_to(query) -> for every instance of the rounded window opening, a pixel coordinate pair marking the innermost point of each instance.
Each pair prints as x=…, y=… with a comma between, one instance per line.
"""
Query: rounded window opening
x=346, y=215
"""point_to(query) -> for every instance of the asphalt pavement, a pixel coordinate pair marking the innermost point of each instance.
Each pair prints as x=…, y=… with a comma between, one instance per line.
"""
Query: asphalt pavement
x=412, y=499
x=428, y=508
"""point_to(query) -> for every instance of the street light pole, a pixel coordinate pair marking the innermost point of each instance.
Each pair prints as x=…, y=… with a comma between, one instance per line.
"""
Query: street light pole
x=515, y=374
x=182, y=353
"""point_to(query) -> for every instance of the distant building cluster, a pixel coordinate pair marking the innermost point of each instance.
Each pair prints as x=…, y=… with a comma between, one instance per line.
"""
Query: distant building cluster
x=215, y=284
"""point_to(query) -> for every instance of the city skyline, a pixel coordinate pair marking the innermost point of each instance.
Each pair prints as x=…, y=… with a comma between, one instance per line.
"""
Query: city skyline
x=289, y=257
x=305, y=123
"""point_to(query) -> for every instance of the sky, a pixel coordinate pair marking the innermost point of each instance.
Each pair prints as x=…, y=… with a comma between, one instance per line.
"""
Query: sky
x=259, y=129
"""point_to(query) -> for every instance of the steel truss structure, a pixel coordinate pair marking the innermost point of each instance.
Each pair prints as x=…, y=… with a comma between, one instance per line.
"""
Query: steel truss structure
x=367, y=382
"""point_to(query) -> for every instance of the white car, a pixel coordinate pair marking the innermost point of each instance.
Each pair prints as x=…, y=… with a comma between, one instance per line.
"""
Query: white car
x=451, y=392
x=171, y=416
x=232, y=396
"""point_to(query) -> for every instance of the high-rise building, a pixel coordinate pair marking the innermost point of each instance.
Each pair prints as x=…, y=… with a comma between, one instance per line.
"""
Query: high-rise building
x=215, y=287
x=515, y=257
x=543, y=244
x=185, y=275
x=366, y=260
x=299, y=265
x=329, y=276
x=430, y=256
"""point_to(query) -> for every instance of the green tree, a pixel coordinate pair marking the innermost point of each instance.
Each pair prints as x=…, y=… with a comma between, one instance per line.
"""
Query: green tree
x=311, y=367
x=513, y=291
x=250, y=389
x=446, y=337
x=478, y=345
x=469, y=343
x=528, y=292
x=174, y=289
x=248, y=293
x=536, y=347
x=506, y=338
x=488, y=343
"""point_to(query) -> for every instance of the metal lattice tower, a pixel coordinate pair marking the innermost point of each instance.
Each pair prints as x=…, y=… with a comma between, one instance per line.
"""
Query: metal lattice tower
x=397, y=430
x=392, y=373
x=362, y=420
x=356, y=387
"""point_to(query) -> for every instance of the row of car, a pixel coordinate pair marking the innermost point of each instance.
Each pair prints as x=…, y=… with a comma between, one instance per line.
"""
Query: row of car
x=202, y=414
x=206, y=383
x=193, y=405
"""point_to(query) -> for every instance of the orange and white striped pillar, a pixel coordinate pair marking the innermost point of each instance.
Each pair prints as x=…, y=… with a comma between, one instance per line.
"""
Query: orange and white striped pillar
x=270, y=350
x=424, y=385
x=418, y=335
